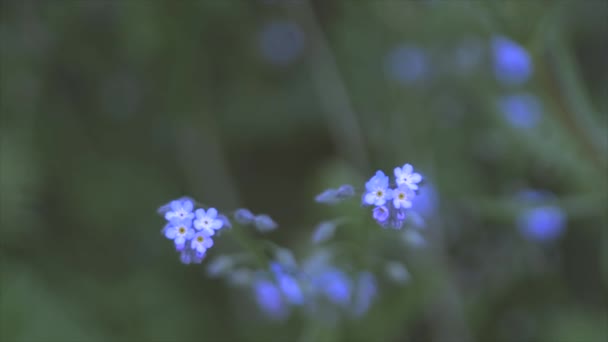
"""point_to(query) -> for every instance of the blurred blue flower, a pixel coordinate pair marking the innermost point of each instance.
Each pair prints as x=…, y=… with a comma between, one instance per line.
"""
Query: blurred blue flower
x=406, y=176
x=521, y=110
x=324, y=231
x=180, y=210
x=397, y=272
x=406, y=64
x=512, y=63
x=244, y=216
x=207, y=221
x=377, y=190
x=426, y=201
x=270, y=300
x=220, y=266
x=265, y=223
x=365, y=293
x=281, y=42
x=542, y=224
x=335, y=285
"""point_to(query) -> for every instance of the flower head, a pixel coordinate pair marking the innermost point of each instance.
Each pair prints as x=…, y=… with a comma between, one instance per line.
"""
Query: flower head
x=542, y=224
x=207, y=221
x=201, y=242
x=180, y=210
x=377, y=189
x=406, y=176
x=402, y=197
x=270, y=300
x=381, y=215
x=179, y=232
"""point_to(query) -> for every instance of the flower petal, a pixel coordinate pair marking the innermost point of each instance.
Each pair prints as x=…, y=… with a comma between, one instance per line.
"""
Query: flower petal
x=408, y=168
x=208, y=243
x=211, y=213
x=187, y=205
x=175, y=205
x=217, y=224
x=415, y=177
x=170, y=232
x=200, y=213
x=370, y=198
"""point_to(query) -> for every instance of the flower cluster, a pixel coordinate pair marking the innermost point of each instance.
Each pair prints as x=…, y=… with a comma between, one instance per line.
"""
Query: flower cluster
x=390, y=204
x=191, y=230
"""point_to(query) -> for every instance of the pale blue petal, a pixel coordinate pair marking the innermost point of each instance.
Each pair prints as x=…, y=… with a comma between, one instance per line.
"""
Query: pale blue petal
x=212, y=213
x=217, y=224
x=200, y=213
x=187, y=205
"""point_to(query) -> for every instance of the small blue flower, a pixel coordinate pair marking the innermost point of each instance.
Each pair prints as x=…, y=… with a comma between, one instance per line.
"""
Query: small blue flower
x=270, y=299
x=512, y=63
x=181, y=210
x=324, y=231
x=377, y=190
x=381, y=214
x=403, y=196
x=542, y=224
x=521, y=110
x=406, y=176
x=397, y=272
x=201, y=242
x=290, y=288
x=207, y=221
x=179, y=233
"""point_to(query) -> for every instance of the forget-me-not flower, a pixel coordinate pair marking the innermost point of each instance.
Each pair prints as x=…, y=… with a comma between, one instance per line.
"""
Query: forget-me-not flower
x=179, y=233
x=381, y=214
x=402, y=197
x=201, y=242
x=542, y=224
x=377, y=189
x=406, y=176
x=207, y=221
x=181, y=210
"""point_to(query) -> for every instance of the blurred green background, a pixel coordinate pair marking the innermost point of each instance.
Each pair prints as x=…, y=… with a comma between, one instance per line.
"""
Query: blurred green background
x=112, y=108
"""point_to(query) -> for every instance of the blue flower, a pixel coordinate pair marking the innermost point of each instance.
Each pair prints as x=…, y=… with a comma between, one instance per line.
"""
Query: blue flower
x=207, y=221
x=406, y=176
x=270, y=299
x=290, y=288
x=324, y=231
x=402, y=196
x=381, y=214
x=521, y=110
x=377, y=190
x=181, y=210
x=201, y=242
x=542, y=224
x=244, y=216
x=265, y=223
x=179, y=233
x=512, y=63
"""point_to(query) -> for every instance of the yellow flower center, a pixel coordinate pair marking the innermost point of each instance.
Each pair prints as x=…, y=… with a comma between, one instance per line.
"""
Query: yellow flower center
x=200, y=239
x=401, y=196
x=379, y=193
x=181, y=230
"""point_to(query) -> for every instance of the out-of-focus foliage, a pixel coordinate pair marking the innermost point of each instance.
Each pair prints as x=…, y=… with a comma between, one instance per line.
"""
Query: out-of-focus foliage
x=111, y=108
